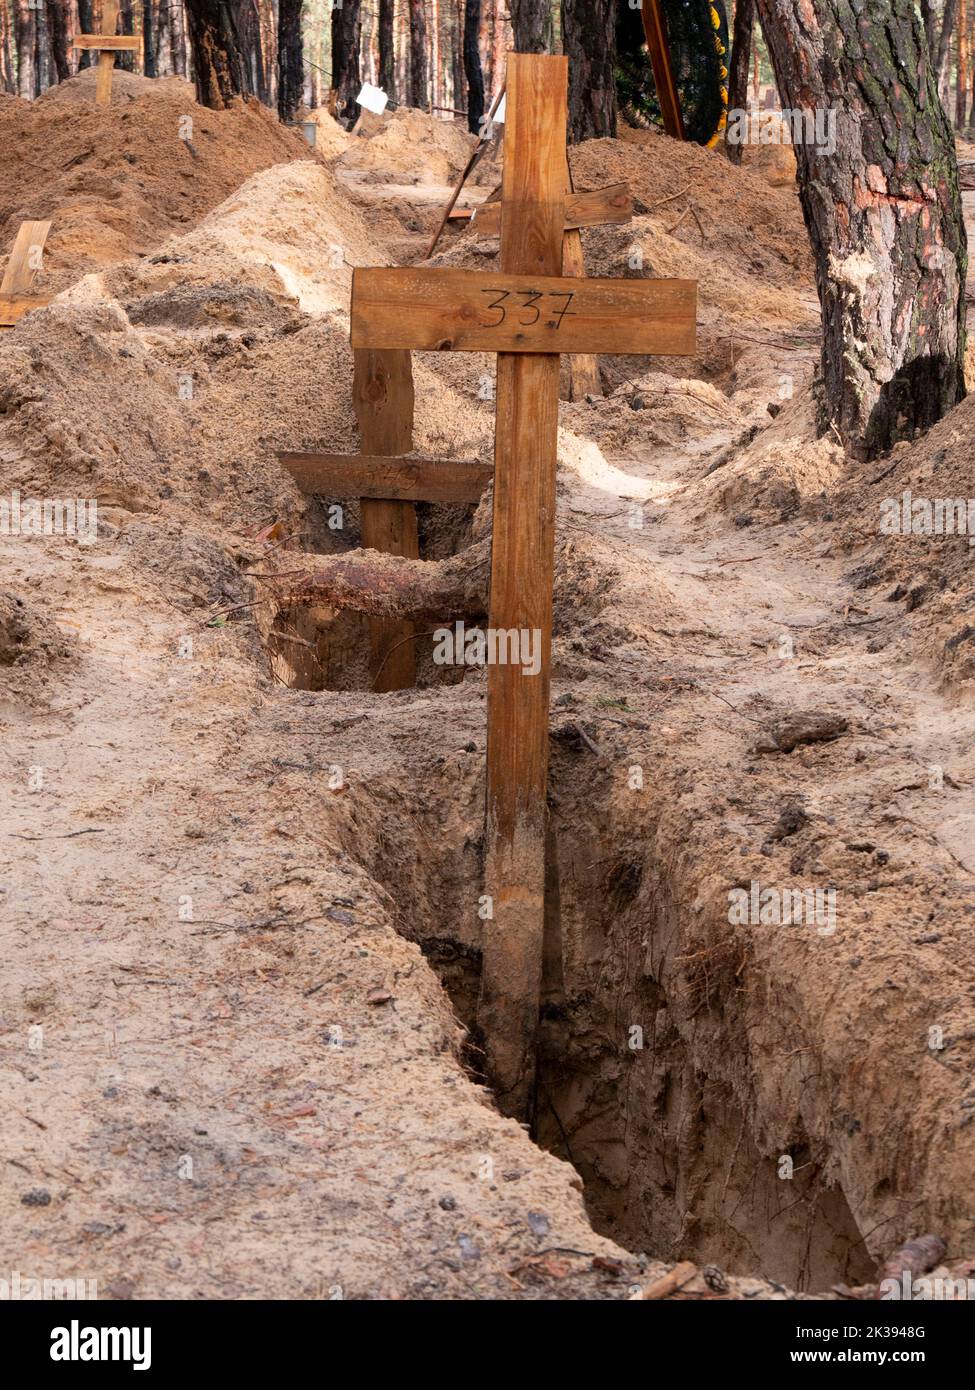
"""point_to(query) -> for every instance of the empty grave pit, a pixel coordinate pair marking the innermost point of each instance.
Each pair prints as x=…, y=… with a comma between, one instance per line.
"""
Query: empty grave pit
x=316, y=649
x=660, y=1139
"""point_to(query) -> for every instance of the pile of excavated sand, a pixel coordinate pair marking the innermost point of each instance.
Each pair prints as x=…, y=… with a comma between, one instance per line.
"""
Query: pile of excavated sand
x=116, y=181
x=915, y=553
x=126, y=87
x=747, y=227
x=331, y=139
x=168, y=384
x=767, y=153
x=744, y=244
x=406, y=146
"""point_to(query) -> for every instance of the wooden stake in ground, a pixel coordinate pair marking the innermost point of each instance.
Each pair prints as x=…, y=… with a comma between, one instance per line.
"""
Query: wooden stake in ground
x=533, y=193
x=388, y=485
x=528, y=313
x=107, y=44
x=25, y=261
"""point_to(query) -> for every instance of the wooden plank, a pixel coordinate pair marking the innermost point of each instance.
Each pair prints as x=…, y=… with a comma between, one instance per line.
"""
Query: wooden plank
x=19, y=273
x=403, y=479
x=103, y=80
x=583, y=367
x=106, y=61
x=505, y=311
x=123, y=43
x=596, y=209
x=14, y=306
x=522, y=565
x=382, y=394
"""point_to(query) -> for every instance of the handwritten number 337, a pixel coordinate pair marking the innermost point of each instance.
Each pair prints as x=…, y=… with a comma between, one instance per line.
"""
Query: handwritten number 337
x=529, y=303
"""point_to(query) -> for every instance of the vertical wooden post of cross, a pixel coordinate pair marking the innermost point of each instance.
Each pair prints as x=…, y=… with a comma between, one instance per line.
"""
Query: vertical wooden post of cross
x=107, y=44
x=583, y=368
x=522, y=567
x=382, y=393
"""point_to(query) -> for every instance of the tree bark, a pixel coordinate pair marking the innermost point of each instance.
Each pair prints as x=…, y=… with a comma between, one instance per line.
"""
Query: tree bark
x=126, y=61
x=472, y=66
x=457, y=81
x=530, y=20
x=883, y=211
x=8, y=82
x=177, y=37
x=217, y=60
x=418, y=55
x=148, y=40
x=86, y=25
x=961, y=93
x=589, y=40
x=40, y=51
x=387, y=52
x=929, y=17
x=944, y=47
x=57, y=30
x=741, y=53
x=24, y=25
x=346, y=32
x=252, y=51
x=291, y=61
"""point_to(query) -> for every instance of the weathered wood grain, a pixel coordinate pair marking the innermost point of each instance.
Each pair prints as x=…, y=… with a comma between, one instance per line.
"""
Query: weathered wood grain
x=445, y=310
x=375, y=476
x=522, y=565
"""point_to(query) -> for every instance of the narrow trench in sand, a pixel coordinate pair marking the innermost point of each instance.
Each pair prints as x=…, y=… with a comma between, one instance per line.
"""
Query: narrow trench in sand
x=664, y=1151
x=665, y=1155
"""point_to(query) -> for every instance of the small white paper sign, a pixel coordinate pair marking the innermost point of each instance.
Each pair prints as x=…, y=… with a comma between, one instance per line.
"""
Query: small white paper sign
x=373, y=98
x=498, y=117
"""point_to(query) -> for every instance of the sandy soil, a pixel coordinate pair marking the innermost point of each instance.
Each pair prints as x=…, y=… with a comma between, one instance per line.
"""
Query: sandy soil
x=241, y=907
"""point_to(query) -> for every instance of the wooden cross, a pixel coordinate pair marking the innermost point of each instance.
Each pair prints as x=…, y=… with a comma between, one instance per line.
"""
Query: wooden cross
x=388, y=481
x=24, y=263
x=107, y=44
x=527, y=312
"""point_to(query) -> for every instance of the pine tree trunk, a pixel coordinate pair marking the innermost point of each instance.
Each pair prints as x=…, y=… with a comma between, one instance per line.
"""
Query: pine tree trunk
x=434, y=53
x=40, y=52
x=217, y=60
x=387, y=55
x=24, y=25
x=8, y=83
x=944, y=47
x=252, y=43
x=177, y=37
x=961, y=92
x=472, y=66
x=57, y=31
x=457, y=56
x=291, y=63
x=530, y=21
x=741, y=55
x=418, y=55
x=86, y=25
x=883, y=212
x=970, y=118
x=589, y=39
x=126, y=61
x=346, y=31
x=148, y=40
